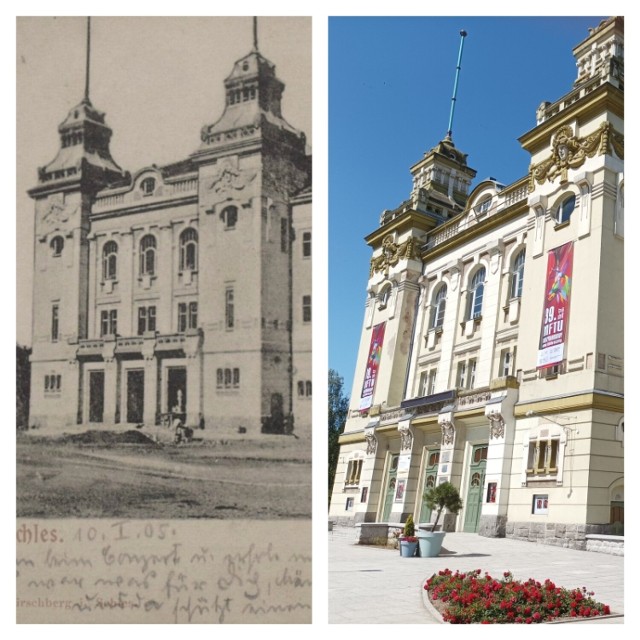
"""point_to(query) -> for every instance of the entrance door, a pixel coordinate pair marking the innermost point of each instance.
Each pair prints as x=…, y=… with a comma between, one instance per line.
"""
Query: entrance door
x=390, y=493
x=474, y=492
x=96, y=396
x=177, y=390
x=135, y=395
x=430, y=475
x=277, y=413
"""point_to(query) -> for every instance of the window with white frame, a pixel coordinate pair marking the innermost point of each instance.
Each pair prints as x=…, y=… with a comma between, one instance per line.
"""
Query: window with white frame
x=475, y=295
x=189, y=250
x=354, y=469
x=110, y=260
x=148, y=255
x=565, y=209
x=543, y=456
x=108, y=322
x=472, y=373
x=507, y=362
x=517, y=274
x=146, y=319
x=461, y=375
x=439, y=305
x=427, y=383
x=384, y=296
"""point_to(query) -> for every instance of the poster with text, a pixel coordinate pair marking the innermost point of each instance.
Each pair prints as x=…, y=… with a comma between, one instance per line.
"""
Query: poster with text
x=557, y=299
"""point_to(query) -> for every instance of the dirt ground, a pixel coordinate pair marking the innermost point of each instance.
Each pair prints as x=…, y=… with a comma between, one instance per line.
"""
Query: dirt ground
x=102, y=475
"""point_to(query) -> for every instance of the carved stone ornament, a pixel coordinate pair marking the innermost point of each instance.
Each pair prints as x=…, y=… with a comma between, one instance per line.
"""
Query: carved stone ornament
x=569, y=152
x=55, y=217
x=372, y=441
x=448, y=432
x=392, y=253
x=497, y=425
x=406, y=437
x=230, y=181
x=617, y=142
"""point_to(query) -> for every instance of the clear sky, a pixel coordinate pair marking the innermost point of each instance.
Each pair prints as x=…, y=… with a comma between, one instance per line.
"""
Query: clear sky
x=390, y=87
x=159, y=80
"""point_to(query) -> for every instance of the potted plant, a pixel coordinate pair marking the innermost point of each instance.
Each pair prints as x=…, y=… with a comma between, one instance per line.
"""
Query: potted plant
x=408, y=541
x=443, y=496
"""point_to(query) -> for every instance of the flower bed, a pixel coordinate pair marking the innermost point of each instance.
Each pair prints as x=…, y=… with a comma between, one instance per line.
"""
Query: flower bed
x=466, y=598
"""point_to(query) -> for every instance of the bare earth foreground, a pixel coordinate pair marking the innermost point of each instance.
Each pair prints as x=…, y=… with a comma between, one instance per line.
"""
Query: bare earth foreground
x=104, y=474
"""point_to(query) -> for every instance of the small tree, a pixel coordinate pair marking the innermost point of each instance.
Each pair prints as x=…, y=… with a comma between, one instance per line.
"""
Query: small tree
x=443, y=496
x=409, y=527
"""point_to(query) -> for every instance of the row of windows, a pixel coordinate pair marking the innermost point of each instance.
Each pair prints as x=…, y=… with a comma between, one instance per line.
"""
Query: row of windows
x=52, y=383
x=187, y=317
x=475, y=293
x=228, y=378
x=466, y=373
x=188, y=248
x=304, y=388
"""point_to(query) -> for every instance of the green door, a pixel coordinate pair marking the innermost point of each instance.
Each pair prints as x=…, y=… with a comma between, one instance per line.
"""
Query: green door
x=430, y=475
x=390, y=492
x=474, y=492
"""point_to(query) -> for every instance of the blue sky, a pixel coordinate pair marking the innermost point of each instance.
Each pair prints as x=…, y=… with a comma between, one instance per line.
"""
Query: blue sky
x=390, y=87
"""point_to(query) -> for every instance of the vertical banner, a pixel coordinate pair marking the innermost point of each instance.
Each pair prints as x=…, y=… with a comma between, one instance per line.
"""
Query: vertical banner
x=373, y=363
x=557, y=298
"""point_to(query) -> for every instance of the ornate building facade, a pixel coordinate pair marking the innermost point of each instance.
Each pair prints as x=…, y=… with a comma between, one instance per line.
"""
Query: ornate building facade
x=180, y=289
x=470, y=367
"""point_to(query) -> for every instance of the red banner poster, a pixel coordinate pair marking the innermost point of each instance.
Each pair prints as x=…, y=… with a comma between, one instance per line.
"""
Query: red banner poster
x=373, y=363
x=557, y=298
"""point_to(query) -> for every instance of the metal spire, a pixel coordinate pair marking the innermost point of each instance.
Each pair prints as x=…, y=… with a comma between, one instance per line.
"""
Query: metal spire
x=255, y=33
x=86, y=83
x=463, y=35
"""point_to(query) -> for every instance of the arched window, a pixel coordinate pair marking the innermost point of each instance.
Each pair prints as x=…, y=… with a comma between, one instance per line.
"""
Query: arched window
x=384, y=296
x=439, y=304
x=57, y=245
x=566, y=209
x=147, y=186
x=476, y=293
x=109, y=260
x=189, y=250
x=230, y=216
x=148, y=255
x=517, y=274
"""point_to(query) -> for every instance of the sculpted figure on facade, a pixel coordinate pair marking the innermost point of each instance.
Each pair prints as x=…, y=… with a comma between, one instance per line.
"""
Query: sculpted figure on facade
x=496, y=430
x=372, y=441
x=406, y=437
x=448, y=432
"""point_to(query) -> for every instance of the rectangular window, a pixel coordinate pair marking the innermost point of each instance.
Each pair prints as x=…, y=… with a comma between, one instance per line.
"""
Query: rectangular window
x=229, y=308
x=423, y=385
x=427, y=383
x=306, y=244
x=306, y=308
x=187, y=316
x=301, y=388
x=432, y=382
x=108, y=322
x=472, y=373
x=236, y=378
x=284, y=234
x=354, y=469
x=308, y=388
x=193, y=315
x=55, y=325
x=543, y=457
x=52, y=383
x=507, y=362
x=219, y=378
x=462, y=375
x=146, y=319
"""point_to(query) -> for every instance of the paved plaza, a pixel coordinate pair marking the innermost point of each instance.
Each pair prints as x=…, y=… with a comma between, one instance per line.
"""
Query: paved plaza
x=374, y=585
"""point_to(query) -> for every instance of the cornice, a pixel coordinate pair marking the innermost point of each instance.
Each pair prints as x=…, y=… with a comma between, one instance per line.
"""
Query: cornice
x=581, y=401
x=404, y=222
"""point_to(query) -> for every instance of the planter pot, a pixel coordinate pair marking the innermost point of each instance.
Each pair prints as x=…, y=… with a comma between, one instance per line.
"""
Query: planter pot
x=408, y=549
x=430, y=543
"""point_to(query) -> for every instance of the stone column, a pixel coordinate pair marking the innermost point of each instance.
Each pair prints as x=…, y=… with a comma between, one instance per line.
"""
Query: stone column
x=150, y=382
x=450, y=434
x=110, y=390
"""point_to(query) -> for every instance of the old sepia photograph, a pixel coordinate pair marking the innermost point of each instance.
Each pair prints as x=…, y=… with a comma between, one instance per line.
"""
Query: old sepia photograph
x=164, y=306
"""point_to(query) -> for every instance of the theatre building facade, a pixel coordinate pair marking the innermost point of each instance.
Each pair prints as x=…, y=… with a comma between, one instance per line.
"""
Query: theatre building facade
x=182, y=289
x=492, y=352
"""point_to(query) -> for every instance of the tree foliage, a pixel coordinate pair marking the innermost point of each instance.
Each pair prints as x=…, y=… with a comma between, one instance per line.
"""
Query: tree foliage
x=338, y=409
x=443, y=496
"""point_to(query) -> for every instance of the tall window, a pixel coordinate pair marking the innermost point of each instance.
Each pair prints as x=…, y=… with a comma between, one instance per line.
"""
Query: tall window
x=306, y=244
x=146, y=319
x=476, y=293
x=517, y=274
x=566, y=209
x=148, y=255
x=354, y=469
x=229, y=216
x=108, y=322
x=187, y=316
x=306, y=308
x=109, y=260
x=439, y=304
x=229, y=312
x=543, y=456
x=427, y=382
x=507, y=362
x=284, y=234
x=189, y=250
x=461, y=381
x=55, y=323
x=472, y=373
x=57, y=245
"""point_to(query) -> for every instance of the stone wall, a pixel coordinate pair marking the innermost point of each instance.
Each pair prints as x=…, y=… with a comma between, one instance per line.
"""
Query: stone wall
x=613, y=545
x=570, y=536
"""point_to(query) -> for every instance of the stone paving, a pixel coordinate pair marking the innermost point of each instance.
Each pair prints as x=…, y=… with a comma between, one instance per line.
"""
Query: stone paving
x=374, y=585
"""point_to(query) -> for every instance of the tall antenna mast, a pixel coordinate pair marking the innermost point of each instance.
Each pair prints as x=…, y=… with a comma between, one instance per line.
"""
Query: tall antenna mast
x=255, y=33
x=86, y=82
x=463, y=35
